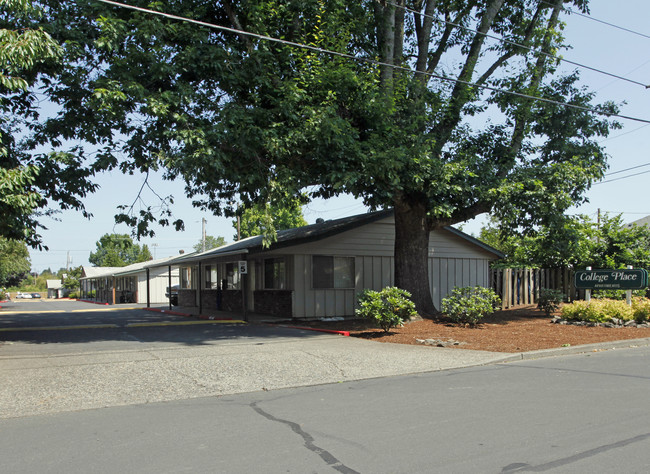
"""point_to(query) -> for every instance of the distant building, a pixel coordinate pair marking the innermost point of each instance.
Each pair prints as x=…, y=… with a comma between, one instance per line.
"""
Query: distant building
x=55, y=289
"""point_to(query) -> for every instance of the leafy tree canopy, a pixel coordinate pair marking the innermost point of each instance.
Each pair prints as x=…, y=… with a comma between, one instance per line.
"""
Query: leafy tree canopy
x=575, y=241
x=211, y=242
x=14, y=262
x=433, y=129
x=265, y=219
x=33, y=183
x=118, y=250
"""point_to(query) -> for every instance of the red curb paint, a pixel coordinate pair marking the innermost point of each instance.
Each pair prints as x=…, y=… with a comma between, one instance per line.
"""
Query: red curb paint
x=93, y=302
x=330, y=331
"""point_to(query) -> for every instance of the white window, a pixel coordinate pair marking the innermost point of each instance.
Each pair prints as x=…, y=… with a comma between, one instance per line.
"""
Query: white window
x=232, y=276
x=332, y=272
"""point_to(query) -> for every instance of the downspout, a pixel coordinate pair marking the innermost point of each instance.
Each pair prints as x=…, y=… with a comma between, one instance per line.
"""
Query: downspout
x=199, y=286
x=149, y=291
x=169, y=282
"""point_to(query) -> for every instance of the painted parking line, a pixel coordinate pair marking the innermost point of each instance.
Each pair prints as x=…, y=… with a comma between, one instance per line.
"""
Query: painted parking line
x=59, y=328
x=33, y=312
x=186, y=323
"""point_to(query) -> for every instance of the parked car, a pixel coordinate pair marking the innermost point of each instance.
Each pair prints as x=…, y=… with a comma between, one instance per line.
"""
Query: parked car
x=174, y=294
x=36, y=295
x=23, y=295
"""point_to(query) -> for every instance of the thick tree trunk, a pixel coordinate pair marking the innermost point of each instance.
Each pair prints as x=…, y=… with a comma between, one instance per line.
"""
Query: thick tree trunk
x=412, y=254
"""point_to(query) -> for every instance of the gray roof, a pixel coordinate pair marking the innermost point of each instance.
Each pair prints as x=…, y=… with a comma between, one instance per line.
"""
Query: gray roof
x=54, y=284
x=102, y=272
x=643, y=221
x=310, y=233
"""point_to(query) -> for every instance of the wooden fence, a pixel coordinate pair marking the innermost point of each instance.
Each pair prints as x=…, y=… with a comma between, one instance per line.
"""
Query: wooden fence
x=521, y=286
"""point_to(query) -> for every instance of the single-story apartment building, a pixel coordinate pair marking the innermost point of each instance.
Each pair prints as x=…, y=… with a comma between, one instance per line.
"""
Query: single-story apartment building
x=144, y=282
x=318, y=270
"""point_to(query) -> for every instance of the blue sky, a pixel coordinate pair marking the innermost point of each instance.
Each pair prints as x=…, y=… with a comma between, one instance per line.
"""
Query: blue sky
x=594, y=44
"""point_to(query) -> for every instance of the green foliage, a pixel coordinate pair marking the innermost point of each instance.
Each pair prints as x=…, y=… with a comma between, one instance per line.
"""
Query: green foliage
x=71, y=279
x=575, y=241
x=389, y=307
x=549, y=300
x=616, y=294
x=14, y=262
x=118, y=250
x=597, y=311
x=244, y=120
x=469, y=305
x=211, y=242
x=641, y=309
x=266, y=219
x=31, y=181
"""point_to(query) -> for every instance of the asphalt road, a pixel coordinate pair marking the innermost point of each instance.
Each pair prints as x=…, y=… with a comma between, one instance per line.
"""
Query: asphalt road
x=575, y=414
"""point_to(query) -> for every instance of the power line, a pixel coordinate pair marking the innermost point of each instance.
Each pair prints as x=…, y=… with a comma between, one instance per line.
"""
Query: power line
x=519, y=45
x=370, y=61
x=627, y=169
x=622, y=177
x=623, y=134
x=568, y=10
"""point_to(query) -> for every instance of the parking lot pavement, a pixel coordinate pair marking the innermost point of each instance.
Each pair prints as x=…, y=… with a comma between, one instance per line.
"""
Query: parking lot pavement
x=144, y=372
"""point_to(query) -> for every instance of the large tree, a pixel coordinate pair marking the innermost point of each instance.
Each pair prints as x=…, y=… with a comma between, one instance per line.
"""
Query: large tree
x=14, y=262
x=427, y=107
x=34, y=181
x=118, y=250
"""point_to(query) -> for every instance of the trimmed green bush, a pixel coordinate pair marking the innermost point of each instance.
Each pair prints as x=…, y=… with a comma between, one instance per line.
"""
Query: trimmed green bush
x=549, y=300
x=469, y=305
x=389, y=307
x=597, y=311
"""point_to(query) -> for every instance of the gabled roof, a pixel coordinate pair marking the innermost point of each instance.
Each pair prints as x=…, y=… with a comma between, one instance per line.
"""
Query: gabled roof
x=310, y=233
x=53, y=284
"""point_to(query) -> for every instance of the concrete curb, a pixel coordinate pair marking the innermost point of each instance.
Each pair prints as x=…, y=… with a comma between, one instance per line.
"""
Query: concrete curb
x=582, y=349
x=188, y=315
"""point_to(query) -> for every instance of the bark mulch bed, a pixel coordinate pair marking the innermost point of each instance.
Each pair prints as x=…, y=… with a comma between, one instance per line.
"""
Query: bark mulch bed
x=514, y=330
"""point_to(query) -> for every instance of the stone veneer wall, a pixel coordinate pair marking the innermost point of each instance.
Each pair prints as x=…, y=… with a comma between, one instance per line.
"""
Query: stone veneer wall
x=187, y=298
x=209, y=299
x=274, y=302
x=232, y=301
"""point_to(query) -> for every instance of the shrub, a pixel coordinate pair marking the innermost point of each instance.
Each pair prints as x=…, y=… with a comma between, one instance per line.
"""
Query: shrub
x=549, y=300
x=615, y=294
x=389, y=307
x=468, y=305
x=641, y=309
x=597, y=311
x=73, y=295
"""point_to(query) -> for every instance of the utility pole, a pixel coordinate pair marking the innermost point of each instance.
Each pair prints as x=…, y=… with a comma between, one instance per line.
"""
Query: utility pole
x=154, y=250
x=203, y=221
x=598, y=234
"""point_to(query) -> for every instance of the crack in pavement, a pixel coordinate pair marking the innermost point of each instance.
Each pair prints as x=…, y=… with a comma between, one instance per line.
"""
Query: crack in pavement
x=523, y=467
x=325, y=455
x=332, y=363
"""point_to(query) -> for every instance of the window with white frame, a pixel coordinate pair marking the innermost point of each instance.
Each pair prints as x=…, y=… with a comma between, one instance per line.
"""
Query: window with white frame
x=210, y=277
x=275, y=274
x=186, y=277
x=332, y=272
x=232, y=276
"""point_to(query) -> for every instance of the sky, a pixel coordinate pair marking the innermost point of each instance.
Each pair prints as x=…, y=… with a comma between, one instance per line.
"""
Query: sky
x=72, y=237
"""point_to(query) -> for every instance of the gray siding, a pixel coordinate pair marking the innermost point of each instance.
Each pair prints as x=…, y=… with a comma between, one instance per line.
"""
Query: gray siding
x=453, y=261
